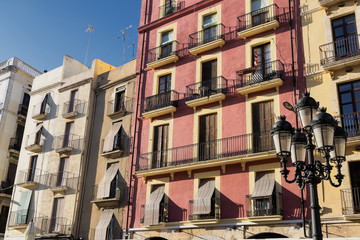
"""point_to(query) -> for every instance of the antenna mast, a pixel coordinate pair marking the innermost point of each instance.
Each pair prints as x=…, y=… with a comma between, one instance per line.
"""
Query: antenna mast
x=90, y=29
x=123, y=36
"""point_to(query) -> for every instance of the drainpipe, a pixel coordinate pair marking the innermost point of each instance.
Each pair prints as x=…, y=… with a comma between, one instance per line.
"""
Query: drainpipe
x=135, y=126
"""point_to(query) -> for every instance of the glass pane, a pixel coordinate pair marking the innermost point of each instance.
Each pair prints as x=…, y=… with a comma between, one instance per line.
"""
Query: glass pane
x=346, y=98
x=349, y=18
x=357, y=95
x=345, y=87
x=347, y=108
x=356, y=85
x=337, y=22
x=350, y=28
x=357, y=106
x=209, y=20
x=339, y=31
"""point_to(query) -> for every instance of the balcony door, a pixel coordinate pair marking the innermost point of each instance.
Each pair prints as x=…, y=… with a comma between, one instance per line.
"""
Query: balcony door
x=62, y=173
x=210, y=27
x=345, y=36
x=114, y=185
x=207, y=137
x=166, y=44
x=263, y=119
x=208, y=78
x=349, y=97
x=32, y=169
x=160, y=153
x=261, y=56
x=119, y=100
x=259, y=14
x=68, y=134
x=355, y=185
x=72, y=103
x=57, y=222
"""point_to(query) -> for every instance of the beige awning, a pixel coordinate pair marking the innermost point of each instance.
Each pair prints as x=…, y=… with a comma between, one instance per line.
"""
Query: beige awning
x=103, y=190
x=101, y=228
x=152, y=206
x=264, y=184
x=31, y=139
x=38, y=106
x=109, y=139
x=202, y=201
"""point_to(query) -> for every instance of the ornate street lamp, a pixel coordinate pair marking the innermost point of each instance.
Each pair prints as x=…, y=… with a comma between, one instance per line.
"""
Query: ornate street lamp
x=330, y=141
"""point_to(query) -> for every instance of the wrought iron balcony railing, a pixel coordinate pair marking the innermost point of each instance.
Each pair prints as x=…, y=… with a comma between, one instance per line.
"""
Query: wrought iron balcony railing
x=163, y=213
x=207, y=35
x=23, y=109
x=218, y=149
x=161, y=100
x=32, y=175
x=73, y=107
x=53, y=225
x=350, y=201
x=116, y=188
x=40, y=111
x=62, y=180
x=258, y=17
x=261, y=73
x=206, y=88
x=264, y=206
x=115, y=107
x=68, y=141
x=214, y=213
x=351, y=123
x=163, y=51
x=169, y=8
x=339, y=50
x=15, y=144
x=20, y=217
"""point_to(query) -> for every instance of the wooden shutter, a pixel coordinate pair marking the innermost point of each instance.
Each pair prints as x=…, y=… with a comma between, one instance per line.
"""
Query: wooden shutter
x=160, y=145
x=263, y=119
x=207, y=137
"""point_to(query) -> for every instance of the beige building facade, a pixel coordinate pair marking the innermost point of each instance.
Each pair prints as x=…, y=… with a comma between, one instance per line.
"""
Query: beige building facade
x=52, y=155
x=106, y=176
x=332, y=56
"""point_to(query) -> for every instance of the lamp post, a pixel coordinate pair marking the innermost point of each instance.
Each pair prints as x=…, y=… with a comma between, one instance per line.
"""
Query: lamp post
x=330, y=141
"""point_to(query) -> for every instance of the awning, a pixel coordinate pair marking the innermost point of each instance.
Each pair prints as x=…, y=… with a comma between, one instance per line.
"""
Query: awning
x=152, y=206
x=202, y=201
x=23, y=208
x=32, y=136
x=39, y=105
x=264, y=184
x=103, y=190
x=109, y=139
x=101, y=228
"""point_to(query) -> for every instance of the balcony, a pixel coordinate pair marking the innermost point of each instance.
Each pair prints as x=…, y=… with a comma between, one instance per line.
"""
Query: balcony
x=40, y=111
x=340, y=54
x=34, y=143
x=169, y=8
x=161, y=104
x=72, y=108
x=53, y=227
x=163, y=213
x=212, y=217
x=237, y=149
x=22, y=113
x=350, y=203
x=116, y=151
x=264, y=209
x=259, y=78
x=114, y=199
x=14, y=148
x=162, y=55
x=328, y=3
x=118, y=109
x=67, y=143
x=206, y=92
x=20, y=219
x=31, y=177
x=62, y=181
x=207, y=39
x=258, y=21
x=351, y=123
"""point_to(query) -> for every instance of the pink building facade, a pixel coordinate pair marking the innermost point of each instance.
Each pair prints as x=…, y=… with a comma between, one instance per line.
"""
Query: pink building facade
x=212, y=77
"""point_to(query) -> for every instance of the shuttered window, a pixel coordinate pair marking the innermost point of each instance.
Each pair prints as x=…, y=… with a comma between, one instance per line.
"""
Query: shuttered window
x=263, y=119
x=119, y=101
x=165, y=83
x=208, y=77
x=160, y=146
x=207, y=137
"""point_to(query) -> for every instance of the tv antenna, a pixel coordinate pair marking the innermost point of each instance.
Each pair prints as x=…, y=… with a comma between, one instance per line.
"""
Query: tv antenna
x=133, y=46
x=123, y=36
x=90, y=29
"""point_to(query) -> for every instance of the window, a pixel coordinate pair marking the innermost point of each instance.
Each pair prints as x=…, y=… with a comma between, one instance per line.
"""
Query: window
x=207, y=137
x=208, y=78
x=165, y=84
x=73, y=101
x=263, y=198
x=345, y=36
x=114, y=185
x=119, y=100
x=11, y=173
x=23, y=215
x=44, y=104
x=38, y=133
x=166, y=44
x=261, y=56
x=68, y=137
x=263, y=119
x=112, y=141
x=108, y=187
x=3, y=217
x=25, y=104
x=62, y=173
x=160, y=146
x=57, y=223
x=355, y=185
x=209, y=27
x=32, y=168
x=154, y=210
x=259, y=13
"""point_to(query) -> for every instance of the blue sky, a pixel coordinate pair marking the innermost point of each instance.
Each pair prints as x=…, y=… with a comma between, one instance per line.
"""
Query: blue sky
x=41, y=32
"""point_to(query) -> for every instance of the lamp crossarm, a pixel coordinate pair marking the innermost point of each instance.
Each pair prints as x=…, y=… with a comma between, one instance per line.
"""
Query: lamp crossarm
x=285, y=172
